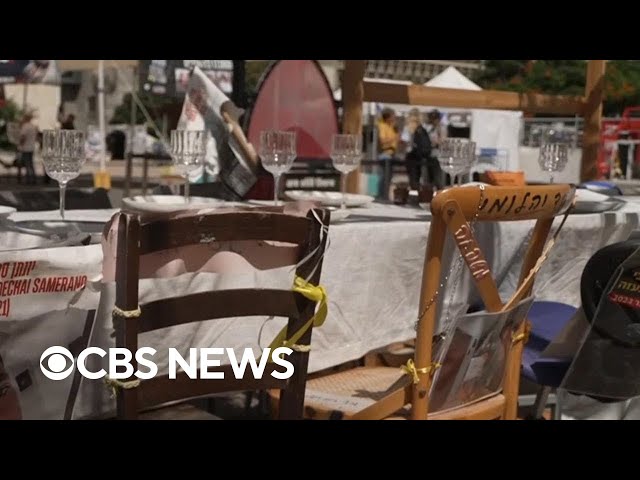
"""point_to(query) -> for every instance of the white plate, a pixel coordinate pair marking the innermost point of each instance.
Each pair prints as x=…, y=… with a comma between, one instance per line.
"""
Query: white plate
x=609, y=205
x=6, y=211
x=172, y=203
x=585, y=195
x=263, y=203
x=330, y=199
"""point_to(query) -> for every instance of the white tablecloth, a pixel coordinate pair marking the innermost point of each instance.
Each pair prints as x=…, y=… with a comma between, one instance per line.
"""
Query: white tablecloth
x=372, y=272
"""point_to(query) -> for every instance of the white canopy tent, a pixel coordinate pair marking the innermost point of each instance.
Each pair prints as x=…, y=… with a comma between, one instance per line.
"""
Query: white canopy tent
x=452, y=78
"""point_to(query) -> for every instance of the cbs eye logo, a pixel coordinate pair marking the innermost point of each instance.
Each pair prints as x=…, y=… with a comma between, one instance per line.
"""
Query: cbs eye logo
x=53, y=363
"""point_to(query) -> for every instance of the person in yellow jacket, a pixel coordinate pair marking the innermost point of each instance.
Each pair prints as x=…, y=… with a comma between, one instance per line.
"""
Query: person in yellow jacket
x=387, y=134
x=388, y=138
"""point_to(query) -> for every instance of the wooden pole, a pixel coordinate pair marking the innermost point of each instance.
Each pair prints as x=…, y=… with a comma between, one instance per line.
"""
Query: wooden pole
x=594, y=94
x=456, y=98
x=132, y=132
x=352, y=98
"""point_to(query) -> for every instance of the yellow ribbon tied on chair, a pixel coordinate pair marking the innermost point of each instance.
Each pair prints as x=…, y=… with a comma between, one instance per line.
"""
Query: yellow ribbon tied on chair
x=411, y=370
x=314, y=293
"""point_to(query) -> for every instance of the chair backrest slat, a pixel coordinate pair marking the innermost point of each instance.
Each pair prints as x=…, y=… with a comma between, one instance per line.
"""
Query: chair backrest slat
x=203, y=229
x=499, y=204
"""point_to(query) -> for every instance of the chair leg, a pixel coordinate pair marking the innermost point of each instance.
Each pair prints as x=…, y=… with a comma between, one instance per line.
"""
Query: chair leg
x=541, y=401
x=557, y=408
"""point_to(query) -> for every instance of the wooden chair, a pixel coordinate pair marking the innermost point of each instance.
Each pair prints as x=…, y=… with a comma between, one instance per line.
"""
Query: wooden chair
x=349, y=394
x=136, y=239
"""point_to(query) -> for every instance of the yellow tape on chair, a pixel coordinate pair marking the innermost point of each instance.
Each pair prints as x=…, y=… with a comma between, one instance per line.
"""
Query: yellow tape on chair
x=315, y=293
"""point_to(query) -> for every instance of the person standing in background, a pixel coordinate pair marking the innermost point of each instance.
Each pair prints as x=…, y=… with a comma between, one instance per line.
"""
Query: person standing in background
x=418, y=148
x=387, y=134
x=437, y=133
x=387, y=147
x=68, y=123
x=60, y=115
x=28, y=136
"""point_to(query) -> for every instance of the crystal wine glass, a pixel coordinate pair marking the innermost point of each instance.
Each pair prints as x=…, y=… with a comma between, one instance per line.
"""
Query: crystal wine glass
x=553, y=158
x=456, y=155
x=188, y=150
x=277, y=152
x=346, y=152
x=63, y=155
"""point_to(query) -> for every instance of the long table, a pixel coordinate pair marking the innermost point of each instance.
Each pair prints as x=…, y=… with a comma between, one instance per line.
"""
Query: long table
x=372, y=272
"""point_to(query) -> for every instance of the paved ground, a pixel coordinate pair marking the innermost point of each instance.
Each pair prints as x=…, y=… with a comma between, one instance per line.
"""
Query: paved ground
x=9, y=180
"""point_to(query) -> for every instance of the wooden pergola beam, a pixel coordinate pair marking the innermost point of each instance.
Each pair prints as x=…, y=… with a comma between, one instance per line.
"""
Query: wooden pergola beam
x=594, y=91
x=72, y=65
x=456, y=98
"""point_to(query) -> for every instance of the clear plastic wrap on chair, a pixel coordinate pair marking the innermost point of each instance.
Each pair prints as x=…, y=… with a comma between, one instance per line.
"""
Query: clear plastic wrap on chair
x=472, y=356
x=606, y=365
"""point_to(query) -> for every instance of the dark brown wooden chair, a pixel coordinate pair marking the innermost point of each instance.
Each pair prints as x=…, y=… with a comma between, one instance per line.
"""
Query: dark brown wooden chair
x=136, y=238
x=378, y=392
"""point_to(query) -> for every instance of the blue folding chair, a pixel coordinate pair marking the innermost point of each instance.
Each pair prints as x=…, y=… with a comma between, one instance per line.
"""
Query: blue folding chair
x=601, y=186
x=547, y=320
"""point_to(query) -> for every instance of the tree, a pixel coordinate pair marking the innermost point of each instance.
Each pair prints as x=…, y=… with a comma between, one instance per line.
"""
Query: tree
x=564, y=77
x=503, y=75
x=622, y=87
x=254, y=70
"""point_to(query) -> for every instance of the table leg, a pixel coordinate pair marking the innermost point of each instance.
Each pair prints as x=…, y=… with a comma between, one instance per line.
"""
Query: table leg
x=75, y=384
x=145, y=173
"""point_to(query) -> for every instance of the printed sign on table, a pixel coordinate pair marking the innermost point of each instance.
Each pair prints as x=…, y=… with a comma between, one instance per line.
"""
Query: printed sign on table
x=47, y=296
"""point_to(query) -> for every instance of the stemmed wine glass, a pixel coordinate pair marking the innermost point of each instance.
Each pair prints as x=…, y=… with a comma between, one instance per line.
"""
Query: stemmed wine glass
x=188, y=149
x=553, y=158
x=456, y=156
x=63, y=156
x=277, y=152
x=346, y=152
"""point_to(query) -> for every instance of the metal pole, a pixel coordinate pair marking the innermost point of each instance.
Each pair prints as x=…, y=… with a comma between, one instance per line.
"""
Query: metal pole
x=132, y=130
x=103, y=150
x=25, y=90
x=630, y=153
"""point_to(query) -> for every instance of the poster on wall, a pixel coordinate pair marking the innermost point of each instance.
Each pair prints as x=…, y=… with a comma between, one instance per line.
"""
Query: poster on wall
x=220, y=72
x=171, y=77
x=29, y=71
x=155, y=76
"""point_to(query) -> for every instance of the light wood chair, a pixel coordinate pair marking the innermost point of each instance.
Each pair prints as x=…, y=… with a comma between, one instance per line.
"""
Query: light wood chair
x=377, y=392
x=136, y=239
